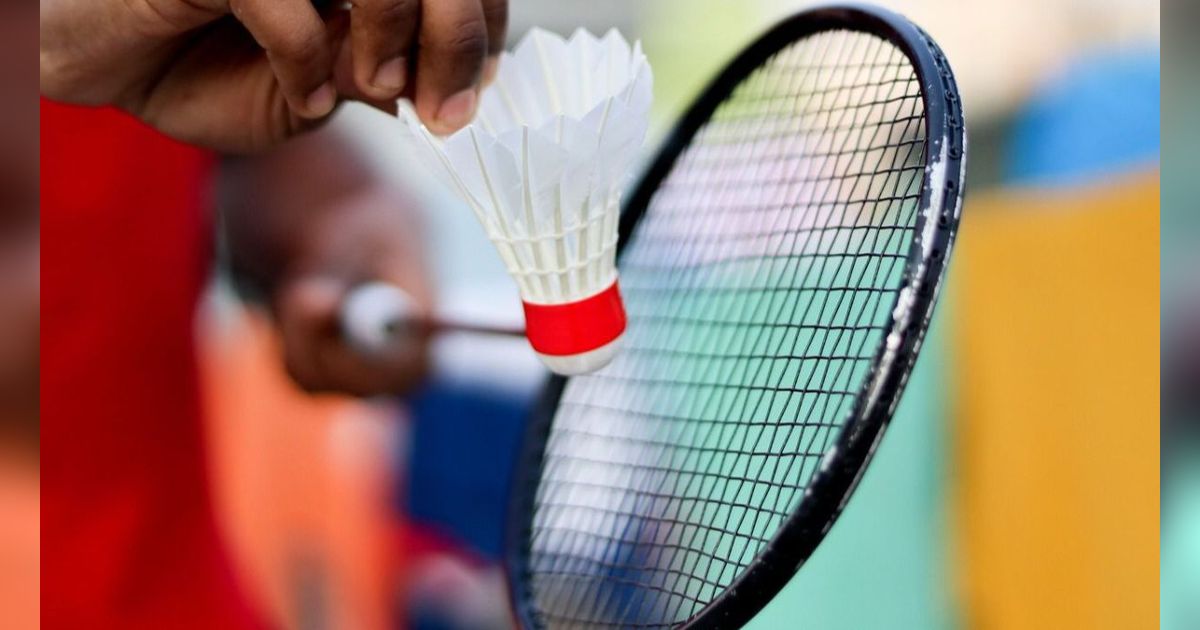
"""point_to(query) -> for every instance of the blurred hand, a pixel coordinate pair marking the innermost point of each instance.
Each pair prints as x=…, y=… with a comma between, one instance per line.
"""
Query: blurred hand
x=305, y=224
x=359, y=241
x=240, y=75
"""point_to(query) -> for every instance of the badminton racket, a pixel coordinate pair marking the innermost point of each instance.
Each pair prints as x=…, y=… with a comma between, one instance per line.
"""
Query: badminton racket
x=378, y=316
x=780, y=260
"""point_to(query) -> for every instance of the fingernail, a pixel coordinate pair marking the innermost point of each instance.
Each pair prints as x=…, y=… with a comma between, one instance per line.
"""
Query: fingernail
x=489, y=70
x=391, y=74
x=321, y=101
x=457, y=110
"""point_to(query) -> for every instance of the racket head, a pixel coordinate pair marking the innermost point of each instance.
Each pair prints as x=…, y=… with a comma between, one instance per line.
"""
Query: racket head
x=633, y=574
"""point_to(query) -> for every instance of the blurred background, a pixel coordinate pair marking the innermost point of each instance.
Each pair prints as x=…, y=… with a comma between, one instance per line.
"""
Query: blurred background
x=1018, y=485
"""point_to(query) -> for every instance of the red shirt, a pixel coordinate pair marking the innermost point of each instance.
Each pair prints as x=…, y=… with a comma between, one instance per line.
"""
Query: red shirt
x=129, y=538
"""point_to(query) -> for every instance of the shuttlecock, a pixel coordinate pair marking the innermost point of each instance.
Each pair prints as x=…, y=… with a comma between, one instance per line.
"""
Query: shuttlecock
x=543, y=165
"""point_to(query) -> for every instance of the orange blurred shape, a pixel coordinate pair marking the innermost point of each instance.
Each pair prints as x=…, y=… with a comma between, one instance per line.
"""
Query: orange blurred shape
x=1057, y=430
x=20, y=539
x=302, y=484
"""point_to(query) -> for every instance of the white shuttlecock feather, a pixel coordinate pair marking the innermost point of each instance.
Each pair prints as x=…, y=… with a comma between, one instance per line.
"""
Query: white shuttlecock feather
x=543, y=165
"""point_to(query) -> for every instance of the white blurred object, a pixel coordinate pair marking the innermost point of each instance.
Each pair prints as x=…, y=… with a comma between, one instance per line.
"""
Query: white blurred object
x=542, y=167
x=373, y=314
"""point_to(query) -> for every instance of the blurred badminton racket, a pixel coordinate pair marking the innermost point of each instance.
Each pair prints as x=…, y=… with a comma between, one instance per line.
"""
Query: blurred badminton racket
x=378, y=316
x=780, y=261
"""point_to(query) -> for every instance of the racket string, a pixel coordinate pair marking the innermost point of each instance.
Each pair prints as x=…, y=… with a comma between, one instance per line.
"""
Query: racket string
x=754, y=285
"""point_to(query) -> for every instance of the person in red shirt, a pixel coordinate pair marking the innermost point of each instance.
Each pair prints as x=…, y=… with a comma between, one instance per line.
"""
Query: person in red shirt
x=129, y=539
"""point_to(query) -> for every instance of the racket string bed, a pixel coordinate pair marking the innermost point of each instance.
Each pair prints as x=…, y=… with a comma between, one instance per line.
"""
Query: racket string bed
x=759, y=284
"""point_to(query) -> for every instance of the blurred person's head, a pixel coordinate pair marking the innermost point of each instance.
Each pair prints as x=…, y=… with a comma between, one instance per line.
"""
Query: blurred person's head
x=19, y=249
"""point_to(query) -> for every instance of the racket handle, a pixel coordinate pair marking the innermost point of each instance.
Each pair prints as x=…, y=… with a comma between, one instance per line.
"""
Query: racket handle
x=376, y=316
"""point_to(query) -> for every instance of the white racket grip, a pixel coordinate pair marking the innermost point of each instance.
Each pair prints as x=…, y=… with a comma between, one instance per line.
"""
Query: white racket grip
x=373, y=314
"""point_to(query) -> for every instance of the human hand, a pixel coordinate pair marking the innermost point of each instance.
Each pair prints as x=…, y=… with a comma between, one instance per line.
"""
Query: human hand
x=239, y=75
x=359, y=243
x=304, y=225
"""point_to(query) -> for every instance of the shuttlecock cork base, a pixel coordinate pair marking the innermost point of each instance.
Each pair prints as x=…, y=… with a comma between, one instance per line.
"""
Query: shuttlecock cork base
x=577, y=337
x=543, y=166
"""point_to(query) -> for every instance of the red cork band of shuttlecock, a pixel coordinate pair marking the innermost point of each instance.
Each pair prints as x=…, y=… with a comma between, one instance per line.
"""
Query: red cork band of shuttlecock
x=575, y=327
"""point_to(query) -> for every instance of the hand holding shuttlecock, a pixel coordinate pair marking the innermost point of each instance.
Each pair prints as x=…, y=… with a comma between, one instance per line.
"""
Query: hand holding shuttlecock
x=542, y=166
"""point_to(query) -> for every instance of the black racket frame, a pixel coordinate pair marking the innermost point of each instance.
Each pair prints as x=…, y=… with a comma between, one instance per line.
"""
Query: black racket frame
x=834, y=481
